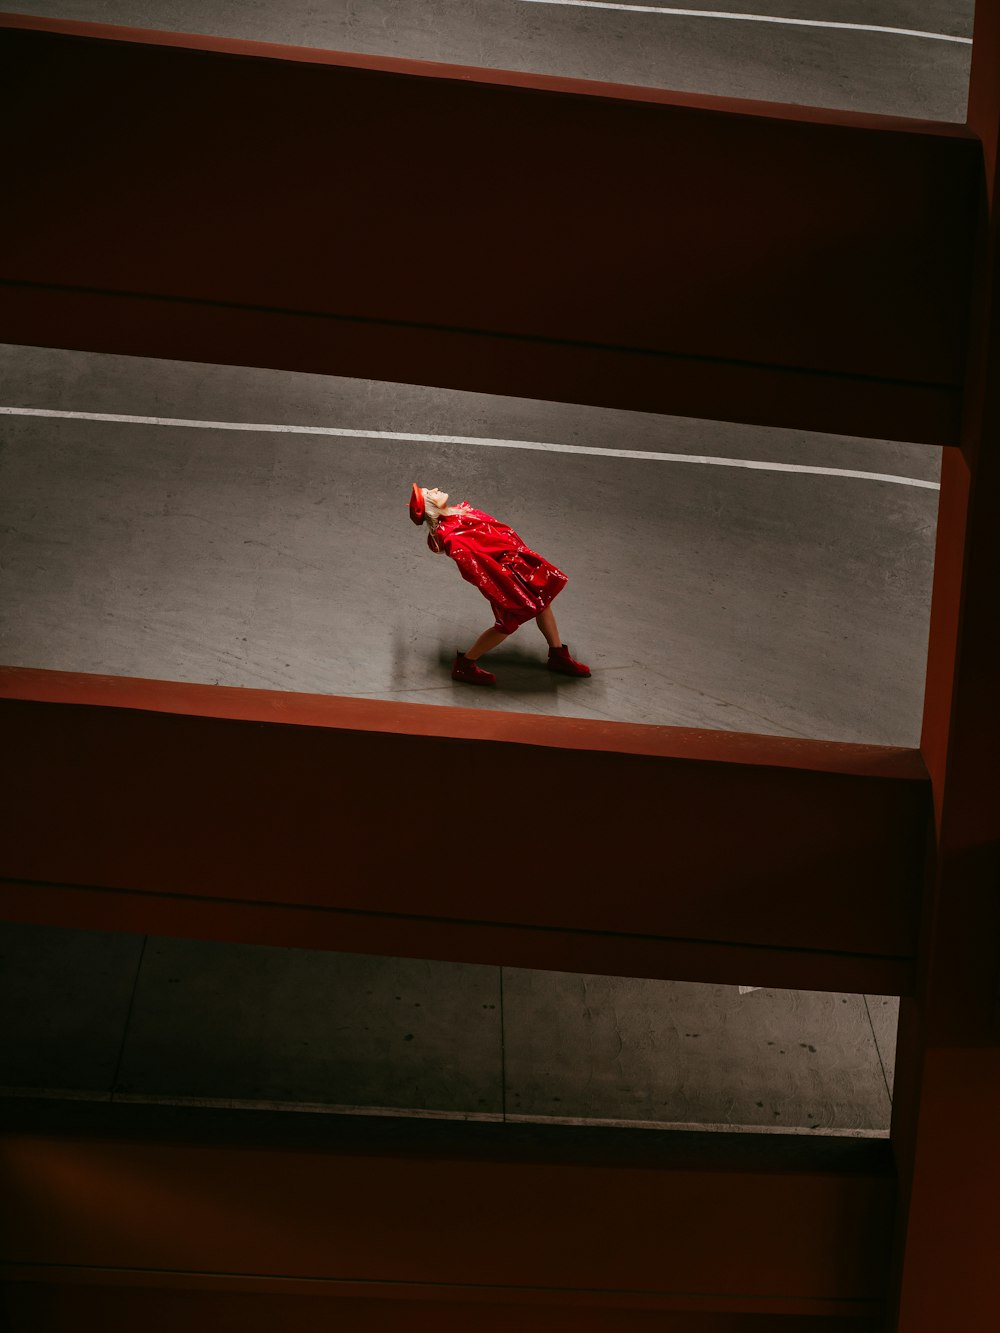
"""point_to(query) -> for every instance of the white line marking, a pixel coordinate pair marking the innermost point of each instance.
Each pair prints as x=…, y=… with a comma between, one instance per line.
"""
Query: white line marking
x=754, y=18
x=348, y=432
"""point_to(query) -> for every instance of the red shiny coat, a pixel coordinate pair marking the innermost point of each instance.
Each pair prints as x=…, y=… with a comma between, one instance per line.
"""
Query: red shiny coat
x=517, y=581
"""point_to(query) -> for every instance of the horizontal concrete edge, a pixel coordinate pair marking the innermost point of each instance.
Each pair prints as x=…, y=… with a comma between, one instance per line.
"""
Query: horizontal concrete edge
x=488, y=943
x=56, y=1112
x=176, y=328
x=29, y=1093
x=336, y=712
x=481, y=74
x=343, y=1288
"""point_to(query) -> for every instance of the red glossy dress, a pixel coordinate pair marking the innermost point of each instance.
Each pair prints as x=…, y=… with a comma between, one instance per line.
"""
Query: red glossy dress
x=517, y=581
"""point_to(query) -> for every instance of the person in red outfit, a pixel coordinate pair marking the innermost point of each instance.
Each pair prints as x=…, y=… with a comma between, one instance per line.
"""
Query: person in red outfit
x=519, y=583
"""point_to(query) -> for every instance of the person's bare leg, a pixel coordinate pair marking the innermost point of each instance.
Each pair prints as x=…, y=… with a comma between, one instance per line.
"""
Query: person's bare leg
x=560, y=658
x=546, y=622
x=487, y=640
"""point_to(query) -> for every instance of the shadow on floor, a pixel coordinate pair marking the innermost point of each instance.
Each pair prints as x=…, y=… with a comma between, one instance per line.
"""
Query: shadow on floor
x=518, y=670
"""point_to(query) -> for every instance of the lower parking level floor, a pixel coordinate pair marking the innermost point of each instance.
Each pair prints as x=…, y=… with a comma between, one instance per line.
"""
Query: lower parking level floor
x=103, y=1016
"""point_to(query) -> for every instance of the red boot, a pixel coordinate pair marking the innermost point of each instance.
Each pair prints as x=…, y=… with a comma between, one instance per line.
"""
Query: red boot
x=471, y=672
x=560, y=660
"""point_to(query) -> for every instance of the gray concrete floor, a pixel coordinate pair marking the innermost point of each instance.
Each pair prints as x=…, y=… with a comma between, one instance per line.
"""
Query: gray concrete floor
x=761, y=601
x=852, y=70
x=126, y=1017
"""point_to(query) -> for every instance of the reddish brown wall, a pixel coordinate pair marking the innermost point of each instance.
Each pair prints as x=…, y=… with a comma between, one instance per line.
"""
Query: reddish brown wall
x=947, y=1097
x=453, y=1213
x=307, y=820
x=52, y=1309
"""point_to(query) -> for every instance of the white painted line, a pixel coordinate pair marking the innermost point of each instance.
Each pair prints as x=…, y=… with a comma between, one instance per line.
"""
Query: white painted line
x=348, y=432
x=754, y=18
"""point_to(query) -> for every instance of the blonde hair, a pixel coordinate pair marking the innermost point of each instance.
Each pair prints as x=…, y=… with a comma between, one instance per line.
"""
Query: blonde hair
x=433, y=516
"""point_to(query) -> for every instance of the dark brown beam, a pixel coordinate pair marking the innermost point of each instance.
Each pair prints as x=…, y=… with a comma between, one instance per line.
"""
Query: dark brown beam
x=947, y=1101
x=564, y=1223
x=63, y=1307
x=211, y=199
x=569, y=844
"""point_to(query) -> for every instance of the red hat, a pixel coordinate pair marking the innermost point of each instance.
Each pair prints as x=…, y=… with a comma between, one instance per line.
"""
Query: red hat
x=417, y=504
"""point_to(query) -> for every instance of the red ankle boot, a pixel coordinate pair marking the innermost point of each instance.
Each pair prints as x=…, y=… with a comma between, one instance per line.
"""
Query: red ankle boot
x=560, y=660
x=471, y=672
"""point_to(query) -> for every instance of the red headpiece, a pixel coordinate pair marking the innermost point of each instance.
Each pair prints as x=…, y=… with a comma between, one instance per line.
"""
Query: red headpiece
x=417, y=504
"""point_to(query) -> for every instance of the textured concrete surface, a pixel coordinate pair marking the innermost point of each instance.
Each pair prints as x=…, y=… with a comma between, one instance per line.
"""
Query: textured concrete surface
x=613, y=1048
x=702, y=596
x=64, y=1003
x=860, y=71
x=883, y=1013
x=267, y=1024
x=229, y=1023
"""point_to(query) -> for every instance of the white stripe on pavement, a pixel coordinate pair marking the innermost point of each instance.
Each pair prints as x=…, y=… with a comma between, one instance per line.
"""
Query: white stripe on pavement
x=754, y=18
x=349, y=432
